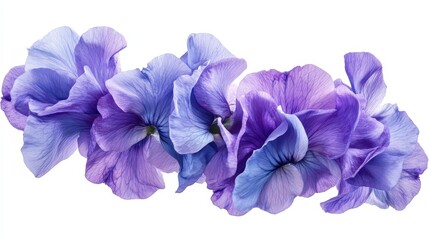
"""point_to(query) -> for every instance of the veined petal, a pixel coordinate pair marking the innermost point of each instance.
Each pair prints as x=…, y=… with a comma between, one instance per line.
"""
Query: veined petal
x=189, y=122
x=192, y=166
x=106, y=106
x=409, y=183
x=318, y=173
x=260, y=118
x=97, y=48
x=329, y=131
x=118, y=132
x=148, y=93
x=369, y=138
x=349, y=197
x=38, y=89
x=366, y=77
x=204, y=48
x=15, y=118
x=268, y=165
x=55, y=51
x=212, y=87
x=223, y=199
x=83, y=97
x=384, y=170
x=49, y=140
x=129, y=174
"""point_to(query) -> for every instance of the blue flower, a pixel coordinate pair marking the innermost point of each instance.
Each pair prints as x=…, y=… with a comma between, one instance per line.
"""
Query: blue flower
x=54, y=96
x=384, y=160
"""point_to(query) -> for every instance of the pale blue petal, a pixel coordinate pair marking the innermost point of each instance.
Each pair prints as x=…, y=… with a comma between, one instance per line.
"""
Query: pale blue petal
x=204, y=48
x=55, y=51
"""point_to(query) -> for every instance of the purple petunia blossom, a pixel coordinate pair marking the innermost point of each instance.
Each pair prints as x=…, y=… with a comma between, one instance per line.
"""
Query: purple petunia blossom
x=203, y=112
x=384, y=161
x=285, y=151
x=54, y=96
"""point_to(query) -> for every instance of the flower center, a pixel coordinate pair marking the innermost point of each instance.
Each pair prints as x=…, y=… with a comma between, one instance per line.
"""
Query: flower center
x=150, y=130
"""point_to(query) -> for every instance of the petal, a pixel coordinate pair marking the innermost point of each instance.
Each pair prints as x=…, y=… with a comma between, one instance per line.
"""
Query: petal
x=83, y=97
x=129, y=174
x=49, y=140
x=16, y=119
x=212, y=86
x=307, y=87
x=204, y=48
x=260, y=118
x=148, y=93
x=403, y=132
x=106, y=106
x=384, y=170
x=161, y=159
x=369, y=138
x=189, y=123
x=39, y=88
x=408, y=185
x=192, y=166
x=318, y=173
x=349, y=197
x=366, y=77
x=119, y=131
x=280, y=191
x=55, y=51
x=286, y=145
x=223, y=199
x=97, y=49
x=329, y=131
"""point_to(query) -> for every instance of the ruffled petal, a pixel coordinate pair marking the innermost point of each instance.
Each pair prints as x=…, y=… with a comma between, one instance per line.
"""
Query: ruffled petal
x=83, y=97
x=408, y=185
x=189, y=122
x=369, y=138
x=97, y=49
x=204, y=48
x=223, y=199
x=129, y=174
x=286, y=145
x=260, y=118
x=366, y=77
x=384, y=170
x=307, y=87
x=349, y=197
x=15, y=118
x=148, y=93
x=49, y=140
x=55, y=51
x=39, y=88
x=281, y=189
x=329, y=131
x=212, y=87
x=318, y=173
x=192, y=166
x=118, y=132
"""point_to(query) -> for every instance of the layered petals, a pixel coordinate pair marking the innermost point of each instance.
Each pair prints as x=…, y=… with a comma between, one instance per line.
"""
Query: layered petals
x=15, y=118
x=366, y=78
x=204, y=48
x=55, y=51
x=51, y=139
x=211, y=90
x=270, y=171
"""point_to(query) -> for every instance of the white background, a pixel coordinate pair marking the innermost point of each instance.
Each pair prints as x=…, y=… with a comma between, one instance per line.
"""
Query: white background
x=64, y=205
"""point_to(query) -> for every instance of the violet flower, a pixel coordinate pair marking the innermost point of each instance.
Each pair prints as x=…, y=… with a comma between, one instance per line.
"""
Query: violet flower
x=203, y=112
x=54, y=100
x=384, y=161
x=287, y=151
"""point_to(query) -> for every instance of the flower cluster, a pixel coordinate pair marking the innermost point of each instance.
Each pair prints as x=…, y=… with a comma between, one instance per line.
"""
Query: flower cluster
x=276, y=136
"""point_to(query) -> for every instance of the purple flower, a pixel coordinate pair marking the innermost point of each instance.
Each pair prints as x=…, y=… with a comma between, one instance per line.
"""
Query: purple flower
x=132, y=132
x=203, y=112
x=384, y=161
x=54, y=100
x=287, y=151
